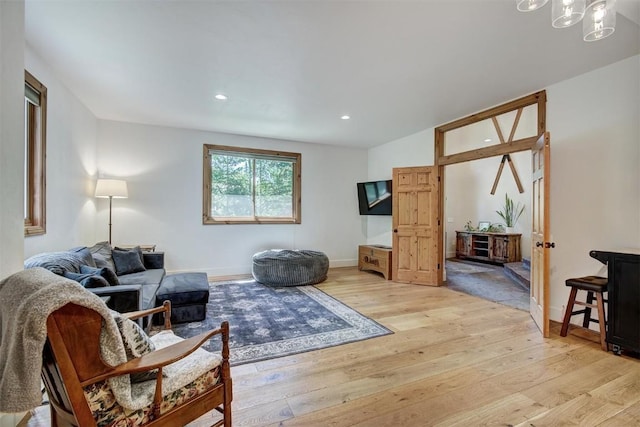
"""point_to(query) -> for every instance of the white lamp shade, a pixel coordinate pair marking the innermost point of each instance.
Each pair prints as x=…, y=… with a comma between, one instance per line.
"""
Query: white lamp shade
x=599, y=20
x=565, y=13
x=116, y=188
x=530, y=5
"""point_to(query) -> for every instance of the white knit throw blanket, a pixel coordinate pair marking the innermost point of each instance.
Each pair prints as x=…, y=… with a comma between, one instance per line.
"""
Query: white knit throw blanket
x=26, y=300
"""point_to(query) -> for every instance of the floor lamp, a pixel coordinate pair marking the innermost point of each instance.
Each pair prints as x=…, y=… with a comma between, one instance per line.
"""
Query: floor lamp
x=111, y=188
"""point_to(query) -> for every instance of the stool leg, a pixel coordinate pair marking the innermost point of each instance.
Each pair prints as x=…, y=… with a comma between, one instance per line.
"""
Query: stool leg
x=567, y=313
x=587, y=310
x=602, y=321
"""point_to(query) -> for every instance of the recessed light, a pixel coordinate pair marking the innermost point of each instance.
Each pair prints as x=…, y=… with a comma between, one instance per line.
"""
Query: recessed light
x=345, y=117
x=487, y=140
x=221, y=97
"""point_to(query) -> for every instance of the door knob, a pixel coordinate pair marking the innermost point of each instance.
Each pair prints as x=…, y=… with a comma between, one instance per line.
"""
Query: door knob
x=395, y=230
x=547, y=245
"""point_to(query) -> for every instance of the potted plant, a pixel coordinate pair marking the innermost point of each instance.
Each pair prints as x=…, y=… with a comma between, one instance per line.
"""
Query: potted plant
x=510, y=213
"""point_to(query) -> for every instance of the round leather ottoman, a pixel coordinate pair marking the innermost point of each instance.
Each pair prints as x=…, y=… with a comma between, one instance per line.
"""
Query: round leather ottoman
x=284, y=267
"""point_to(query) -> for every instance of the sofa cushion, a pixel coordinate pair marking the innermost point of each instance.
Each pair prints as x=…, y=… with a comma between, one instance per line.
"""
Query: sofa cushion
x=150, y=279
x=87, y=280
x=104, y=272
x=57, y=262
x=101, y=253
x=127, y=261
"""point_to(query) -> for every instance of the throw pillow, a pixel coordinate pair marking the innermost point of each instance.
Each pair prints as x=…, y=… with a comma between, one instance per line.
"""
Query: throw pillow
x=101, y=253
x=136, y=344
x=135, y=249
x=104, y=272
x=127, y=261
x=87, y=280
x=85, y=254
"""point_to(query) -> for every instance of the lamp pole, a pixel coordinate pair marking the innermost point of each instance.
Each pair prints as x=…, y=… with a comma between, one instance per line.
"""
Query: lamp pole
x=110, y=201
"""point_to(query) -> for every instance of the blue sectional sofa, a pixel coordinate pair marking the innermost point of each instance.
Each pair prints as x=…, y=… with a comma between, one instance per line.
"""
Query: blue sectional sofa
x=138, y=275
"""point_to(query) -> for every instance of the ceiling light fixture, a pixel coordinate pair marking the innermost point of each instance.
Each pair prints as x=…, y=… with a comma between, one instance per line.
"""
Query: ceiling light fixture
x=565, y=13
x=598, y=16
x=530, y=5
x=599, y=20
x=345, y=117
x=487, y=140
x=221, y=97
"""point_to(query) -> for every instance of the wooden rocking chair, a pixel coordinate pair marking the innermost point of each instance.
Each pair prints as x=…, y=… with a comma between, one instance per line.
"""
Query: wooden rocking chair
x=72, y=363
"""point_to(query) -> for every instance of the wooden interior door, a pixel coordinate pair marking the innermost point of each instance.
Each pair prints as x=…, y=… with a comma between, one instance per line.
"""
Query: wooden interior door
x=415, y=225
x=540, y=234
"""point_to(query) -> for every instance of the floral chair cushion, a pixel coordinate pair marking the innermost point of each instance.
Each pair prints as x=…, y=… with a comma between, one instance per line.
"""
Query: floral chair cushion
x=108, y=412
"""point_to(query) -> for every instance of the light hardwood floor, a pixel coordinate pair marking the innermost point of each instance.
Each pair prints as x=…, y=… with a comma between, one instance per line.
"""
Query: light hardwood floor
x=454, y=359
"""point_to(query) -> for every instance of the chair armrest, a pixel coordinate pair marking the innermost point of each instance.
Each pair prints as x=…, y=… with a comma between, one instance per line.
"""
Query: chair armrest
x=124, y=298
x=153, y=260
x=165, y=307
x=165, y=356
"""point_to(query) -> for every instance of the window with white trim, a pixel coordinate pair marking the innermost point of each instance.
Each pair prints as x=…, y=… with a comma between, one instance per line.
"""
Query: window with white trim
x=35, y=132
x=247, y=186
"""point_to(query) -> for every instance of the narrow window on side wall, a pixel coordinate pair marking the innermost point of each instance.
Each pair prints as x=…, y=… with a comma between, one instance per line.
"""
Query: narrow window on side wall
x=35, y=131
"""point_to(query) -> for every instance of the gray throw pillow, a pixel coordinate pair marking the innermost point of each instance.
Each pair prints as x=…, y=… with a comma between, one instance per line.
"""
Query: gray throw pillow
x=101, y=253
x=127, y=261
x=87, y=280
x=104, y=272
x=85, y=254
x=135, y=249
x=136, y=344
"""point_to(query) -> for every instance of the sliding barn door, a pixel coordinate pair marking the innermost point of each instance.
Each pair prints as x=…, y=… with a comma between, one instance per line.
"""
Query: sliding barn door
x=415, y=225
x=540, y=234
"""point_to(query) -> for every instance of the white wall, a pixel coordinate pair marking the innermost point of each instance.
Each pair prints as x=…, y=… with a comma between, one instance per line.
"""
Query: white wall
x=595, y=178
x=11, y=136
x=163, y=167
x=595, y=158
x=467, y=189
x=71, y=166
x=412, y=150
x=11, y=147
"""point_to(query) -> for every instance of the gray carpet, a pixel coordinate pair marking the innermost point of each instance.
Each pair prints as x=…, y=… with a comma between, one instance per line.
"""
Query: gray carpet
x=486, y=281
x=267, y=322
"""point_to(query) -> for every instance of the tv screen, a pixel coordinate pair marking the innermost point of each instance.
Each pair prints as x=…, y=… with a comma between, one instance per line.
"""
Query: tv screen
x=374, y=197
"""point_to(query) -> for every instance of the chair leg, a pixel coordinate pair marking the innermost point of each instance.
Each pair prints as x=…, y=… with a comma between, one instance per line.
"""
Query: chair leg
x=567, y=313
x=587, y=310
x=602, y=321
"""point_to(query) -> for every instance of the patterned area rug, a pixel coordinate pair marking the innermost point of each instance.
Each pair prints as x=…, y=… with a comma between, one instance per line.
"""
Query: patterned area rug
x=268, y=322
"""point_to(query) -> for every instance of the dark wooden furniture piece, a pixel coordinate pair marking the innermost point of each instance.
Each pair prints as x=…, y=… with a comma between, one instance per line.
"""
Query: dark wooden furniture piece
x=498, y=248
x=375, y=258
x=592, y=285
x=623, y=271
x=72, y=361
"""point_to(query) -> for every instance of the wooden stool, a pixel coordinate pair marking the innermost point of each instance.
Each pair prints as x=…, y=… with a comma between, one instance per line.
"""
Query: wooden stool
x=593, y=285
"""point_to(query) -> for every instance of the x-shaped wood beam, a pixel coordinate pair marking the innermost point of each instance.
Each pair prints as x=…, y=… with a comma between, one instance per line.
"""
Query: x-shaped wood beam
x=507, y=157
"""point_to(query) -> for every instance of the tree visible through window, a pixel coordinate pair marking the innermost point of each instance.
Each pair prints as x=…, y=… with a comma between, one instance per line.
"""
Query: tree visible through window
x=250, y=186
x=35, y=131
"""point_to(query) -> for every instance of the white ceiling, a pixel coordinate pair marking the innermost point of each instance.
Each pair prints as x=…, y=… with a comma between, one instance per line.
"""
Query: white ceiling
x=292, y=68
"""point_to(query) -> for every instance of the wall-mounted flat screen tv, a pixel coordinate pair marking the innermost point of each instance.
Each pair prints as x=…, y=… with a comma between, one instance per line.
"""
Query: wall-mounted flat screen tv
x=374, y=197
